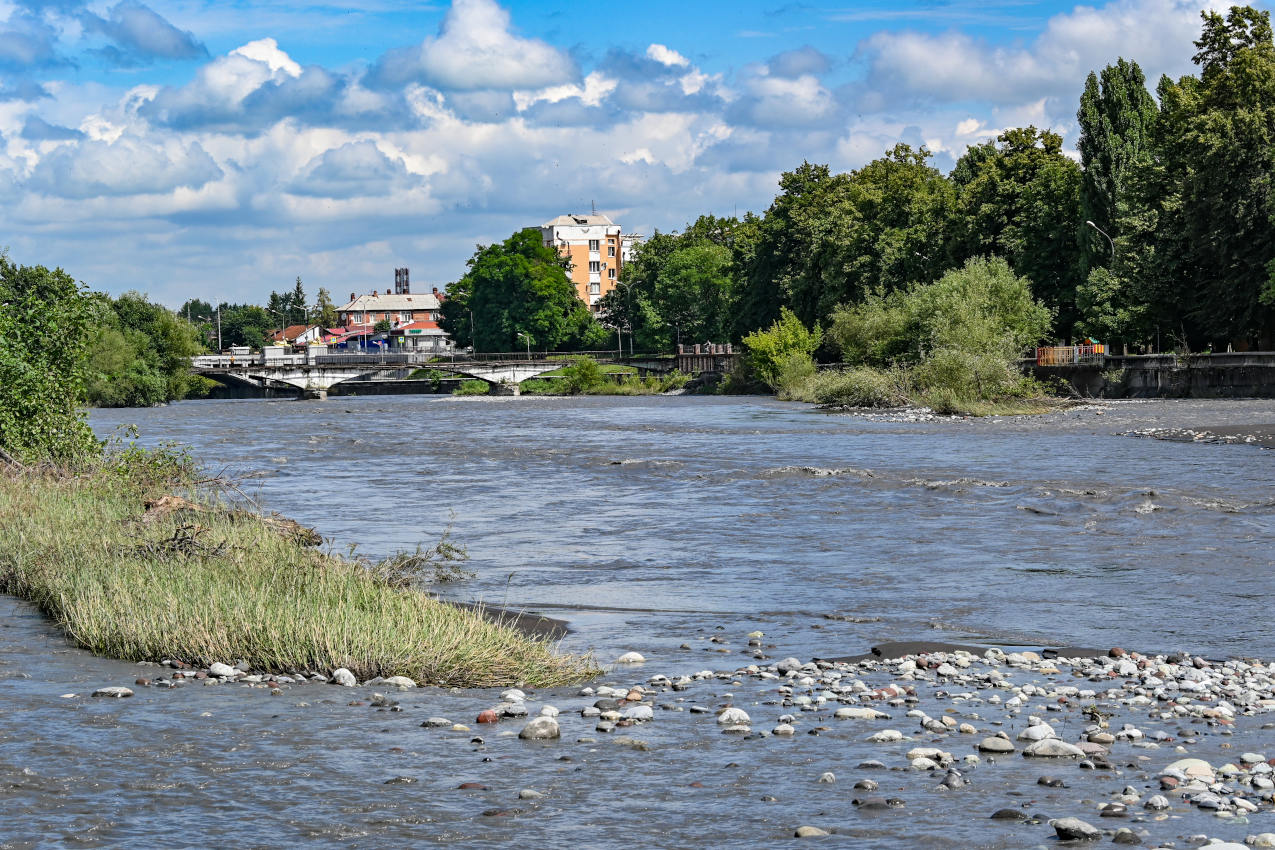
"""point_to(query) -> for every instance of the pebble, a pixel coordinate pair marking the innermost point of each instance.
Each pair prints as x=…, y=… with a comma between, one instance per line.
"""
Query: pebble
x=810, y=832
x=630, y=658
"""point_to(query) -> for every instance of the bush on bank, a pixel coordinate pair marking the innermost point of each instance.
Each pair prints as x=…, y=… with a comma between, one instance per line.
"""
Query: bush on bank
x=201, y=581
x=952, y=345
x=45, y=321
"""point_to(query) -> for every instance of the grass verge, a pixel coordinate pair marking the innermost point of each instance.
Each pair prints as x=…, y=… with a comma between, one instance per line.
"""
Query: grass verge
x=201, y=582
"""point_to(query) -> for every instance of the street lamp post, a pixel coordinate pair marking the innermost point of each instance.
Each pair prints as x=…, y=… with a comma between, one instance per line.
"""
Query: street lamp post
x=528, y=341
x=1104, y=233
x=628, y=295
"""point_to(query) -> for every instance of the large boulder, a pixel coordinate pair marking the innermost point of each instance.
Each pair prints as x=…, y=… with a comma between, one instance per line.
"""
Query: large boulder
x=541, y=729
x=1052, y=748
x=1074, y=829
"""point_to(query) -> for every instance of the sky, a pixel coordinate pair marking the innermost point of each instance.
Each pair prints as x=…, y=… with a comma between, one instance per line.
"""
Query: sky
x=219, y=150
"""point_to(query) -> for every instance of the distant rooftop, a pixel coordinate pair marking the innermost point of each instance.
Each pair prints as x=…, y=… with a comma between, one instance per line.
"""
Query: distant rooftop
x=573, y=220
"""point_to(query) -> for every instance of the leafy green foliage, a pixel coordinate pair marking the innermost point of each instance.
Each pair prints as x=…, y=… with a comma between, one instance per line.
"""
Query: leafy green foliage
x=325, y=314
x=245, y=324
x=472, y=387
x=518, y=287
x=139, y=354
x=779, y=350
x=1117, y=119
x=584, y=374
x=961, y=335
x=981, y=307
x=1022, y=202
x=45, y=319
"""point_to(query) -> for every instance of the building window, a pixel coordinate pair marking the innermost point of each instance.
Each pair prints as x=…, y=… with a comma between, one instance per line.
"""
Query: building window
x=595, y=288
x=611, y=273
x=611, y=251
x=357, y=318
x=404, y=317
x=593, y=244
x=595, y=266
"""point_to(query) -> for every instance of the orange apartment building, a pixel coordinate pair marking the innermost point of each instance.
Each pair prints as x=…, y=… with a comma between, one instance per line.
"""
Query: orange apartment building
x=597, y=250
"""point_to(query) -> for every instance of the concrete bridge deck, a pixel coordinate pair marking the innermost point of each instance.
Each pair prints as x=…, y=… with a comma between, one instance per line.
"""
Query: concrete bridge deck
x=315, y=374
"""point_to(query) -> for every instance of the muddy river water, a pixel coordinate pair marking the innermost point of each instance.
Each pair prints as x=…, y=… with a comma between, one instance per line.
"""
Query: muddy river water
x=671, y=526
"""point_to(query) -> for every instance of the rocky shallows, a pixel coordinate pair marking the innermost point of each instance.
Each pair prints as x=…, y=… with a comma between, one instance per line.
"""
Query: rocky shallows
x=984, y=746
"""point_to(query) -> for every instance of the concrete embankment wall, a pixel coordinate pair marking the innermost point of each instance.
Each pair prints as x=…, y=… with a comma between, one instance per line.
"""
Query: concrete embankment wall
x=1239, y=375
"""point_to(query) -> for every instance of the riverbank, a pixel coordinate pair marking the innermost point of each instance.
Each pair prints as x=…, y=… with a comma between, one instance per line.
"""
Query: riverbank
x=128, y=568
x=939, y=747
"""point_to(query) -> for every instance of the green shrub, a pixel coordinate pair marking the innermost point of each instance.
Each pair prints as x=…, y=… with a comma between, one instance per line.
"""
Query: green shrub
x=793, y=376
x=582, y=376
x=768, y=351
x=44, y=334
x=472, y=387
x=981, y=308
x=945, y=345
x=863, y=386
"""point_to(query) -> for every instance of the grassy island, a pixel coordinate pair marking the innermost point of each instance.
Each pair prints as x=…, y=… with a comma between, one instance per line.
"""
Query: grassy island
x=128, y=570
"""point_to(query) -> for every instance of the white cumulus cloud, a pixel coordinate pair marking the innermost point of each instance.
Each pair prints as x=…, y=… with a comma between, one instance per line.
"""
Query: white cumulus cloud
x=475, y=49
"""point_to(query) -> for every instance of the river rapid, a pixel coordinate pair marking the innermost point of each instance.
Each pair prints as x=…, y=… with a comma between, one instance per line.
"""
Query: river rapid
x=672, y=526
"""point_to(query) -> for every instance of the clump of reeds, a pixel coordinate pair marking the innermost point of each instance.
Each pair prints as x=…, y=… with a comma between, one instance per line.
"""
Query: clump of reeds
x=202, y=581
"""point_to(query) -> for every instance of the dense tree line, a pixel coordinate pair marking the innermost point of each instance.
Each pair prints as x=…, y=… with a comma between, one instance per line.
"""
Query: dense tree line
x=139, y=353
x=1163, y=229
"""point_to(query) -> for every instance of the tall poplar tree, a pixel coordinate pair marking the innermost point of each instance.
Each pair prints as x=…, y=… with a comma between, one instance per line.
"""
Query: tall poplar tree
x=1117, y=118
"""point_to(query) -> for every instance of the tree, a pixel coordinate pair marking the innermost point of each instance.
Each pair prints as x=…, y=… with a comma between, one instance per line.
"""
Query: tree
x=245, y=324
x=519, y=286
x=44, y=331
x=297, y=308
x=1023, y=203
x=693, y=291
x=782, y=267
x=661, y=312
x=1117, y=120
x=889, y=228
x=325, y=314
x=771, y=352
x=1197, y=224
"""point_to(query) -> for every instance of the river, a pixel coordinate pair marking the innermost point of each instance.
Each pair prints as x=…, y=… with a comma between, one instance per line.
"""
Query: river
x=649, y=524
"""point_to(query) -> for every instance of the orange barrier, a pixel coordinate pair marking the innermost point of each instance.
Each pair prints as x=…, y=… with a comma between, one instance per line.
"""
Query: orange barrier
x=1070, y=355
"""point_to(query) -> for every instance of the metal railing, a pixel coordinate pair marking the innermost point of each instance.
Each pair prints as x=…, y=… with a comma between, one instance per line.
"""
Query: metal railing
x=405, y=358
x=1070, y=355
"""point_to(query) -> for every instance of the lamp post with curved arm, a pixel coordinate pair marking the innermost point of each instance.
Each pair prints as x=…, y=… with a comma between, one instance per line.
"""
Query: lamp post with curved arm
x=1104, y=233
x=628, y=296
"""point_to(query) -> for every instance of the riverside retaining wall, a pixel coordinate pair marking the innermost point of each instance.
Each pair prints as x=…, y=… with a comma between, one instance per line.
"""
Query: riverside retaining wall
x=1230, y=375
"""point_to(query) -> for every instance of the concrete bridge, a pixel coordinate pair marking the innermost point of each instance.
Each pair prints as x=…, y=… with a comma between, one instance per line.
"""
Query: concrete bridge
x=315, y=374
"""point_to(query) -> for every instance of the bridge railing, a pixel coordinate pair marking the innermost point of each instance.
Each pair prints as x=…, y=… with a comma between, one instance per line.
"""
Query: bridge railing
x=394, y=358
x=1070, y=355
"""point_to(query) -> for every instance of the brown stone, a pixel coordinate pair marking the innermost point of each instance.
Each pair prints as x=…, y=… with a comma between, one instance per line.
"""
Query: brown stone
x=488, y=716
x=471, y=786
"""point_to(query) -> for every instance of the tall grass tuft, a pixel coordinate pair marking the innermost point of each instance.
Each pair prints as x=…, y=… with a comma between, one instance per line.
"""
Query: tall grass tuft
x=204, y=582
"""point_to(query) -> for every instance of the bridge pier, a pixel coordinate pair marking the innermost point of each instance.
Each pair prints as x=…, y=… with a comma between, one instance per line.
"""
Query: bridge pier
x=312, y=394
x=508, y=388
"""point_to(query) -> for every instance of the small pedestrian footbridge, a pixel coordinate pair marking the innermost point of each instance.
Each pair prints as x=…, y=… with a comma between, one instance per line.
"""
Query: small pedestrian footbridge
x=314, y=374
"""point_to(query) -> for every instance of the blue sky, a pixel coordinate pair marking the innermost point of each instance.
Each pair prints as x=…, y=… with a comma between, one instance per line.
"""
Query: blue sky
x=219, y=150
